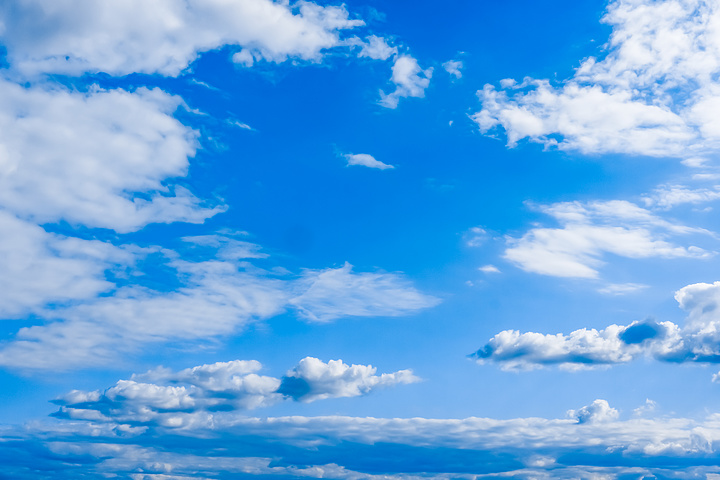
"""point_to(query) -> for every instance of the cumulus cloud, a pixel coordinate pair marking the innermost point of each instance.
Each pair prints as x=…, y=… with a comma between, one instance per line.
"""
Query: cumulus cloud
x=654, y=93
x=216, y=298
x=175, y=399
x=164, y=37
x=410, y=81
x=376, y=48
x=99, y=159
x=314, y=380
x=590, y=230
x=598, y=411
x=698, y=341
x=366, y=161
x=453, y=67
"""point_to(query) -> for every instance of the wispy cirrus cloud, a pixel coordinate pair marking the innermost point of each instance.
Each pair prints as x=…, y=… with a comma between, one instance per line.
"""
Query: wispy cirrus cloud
x=590, y=230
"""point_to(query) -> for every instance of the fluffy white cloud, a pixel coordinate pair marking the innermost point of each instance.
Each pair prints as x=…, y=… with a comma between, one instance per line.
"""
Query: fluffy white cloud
x=588, y=231
x=453, y=67
x=100, y=159
x=336, y=292
x=697, y=341
x=164, y=36
x=409, y=79
x=655, y=92
x=177, y=399
x=598, y=411
x=376, y=48
x=313, y=380
x=366, y=161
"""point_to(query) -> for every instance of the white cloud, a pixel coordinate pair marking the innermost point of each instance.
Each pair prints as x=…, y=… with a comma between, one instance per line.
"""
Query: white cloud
x=337, y=292
x=453, y=67
x=37, y=267
x=599, y=411
x=698, y=341
x=217, y=297
x=366, y=161
x=600, y=446
x=489, y=269
x=377, y=48
x=655, y=92
x=588, y=231
x=410, y=81
x=84, y=158
x=622, y=288
x=313, y=380
x=669, y=196
x=174, y=399
x=164, y=36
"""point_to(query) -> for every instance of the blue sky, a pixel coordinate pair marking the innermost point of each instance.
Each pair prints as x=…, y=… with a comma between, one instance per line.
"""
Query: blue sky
x=370, y=240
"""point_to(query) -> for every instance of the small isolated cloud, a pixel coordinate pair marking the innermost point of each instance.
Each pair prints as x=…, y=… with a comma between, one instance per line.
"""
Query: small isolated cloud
x=366, y=161
x=410, y=81
x=646, y=409
x=698, y=341
x=453, y=67
x=176, y=399
x=336, y=292
x=476, y=236
x=622, y=288
x=588, y=231
x=489, y=269
x=597, y=412
x=241, y=125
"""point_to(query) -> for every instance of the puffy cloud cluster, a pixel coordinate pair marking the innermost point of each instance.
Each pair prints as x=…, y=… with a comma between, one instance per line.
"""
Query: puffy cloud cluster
x=654, y=93
x=594, y=443
x=314, y=380
x=99, y=159
x=182, y=399
x=410, y=81
x=122, y=37
x=697, y=341
x=590, y=230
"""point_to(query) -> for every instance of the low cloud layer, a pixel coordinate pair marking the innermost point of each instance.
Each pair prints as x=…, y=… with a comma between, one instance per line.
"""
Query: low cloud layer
x=170, y=399
x=697, y=341
x=596, y=441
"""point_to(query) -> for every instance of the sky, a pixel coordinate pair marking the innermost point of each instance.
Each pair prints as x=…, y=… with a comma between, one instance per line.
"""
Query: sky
x=368, y=240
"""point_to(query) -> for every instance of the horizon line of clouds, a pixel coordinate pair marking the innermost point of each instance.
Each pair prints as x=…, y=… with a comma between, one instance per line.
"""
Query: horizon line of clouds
x=698, y=341
x=591, y=440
